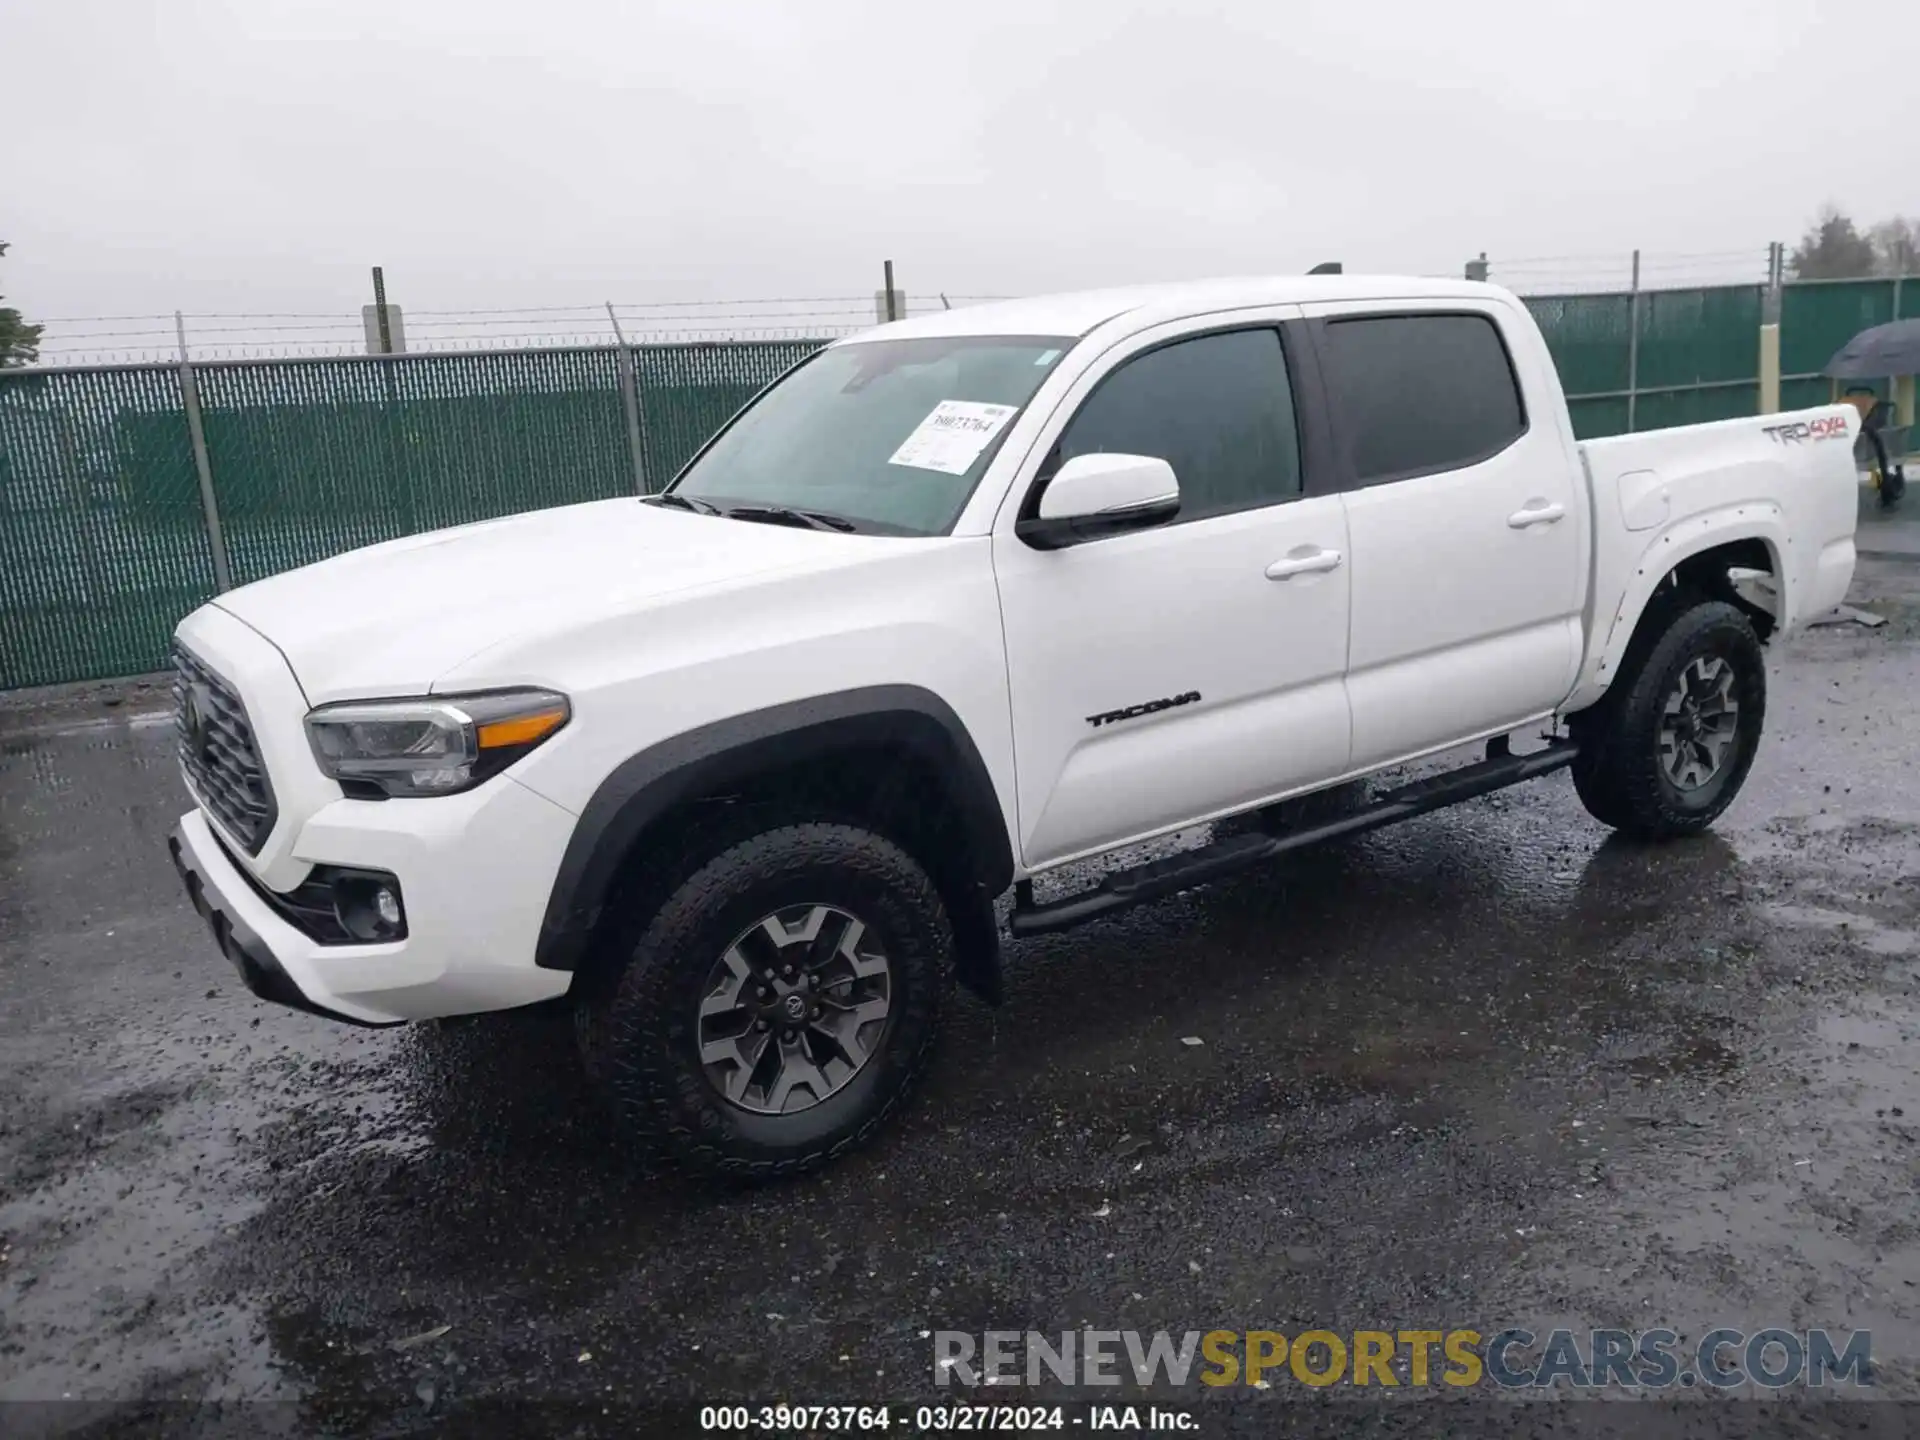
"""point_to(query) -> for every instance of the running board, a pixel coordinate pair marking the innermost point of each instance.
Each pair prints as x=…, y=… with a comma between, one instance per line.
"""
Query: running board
x=1159, y=878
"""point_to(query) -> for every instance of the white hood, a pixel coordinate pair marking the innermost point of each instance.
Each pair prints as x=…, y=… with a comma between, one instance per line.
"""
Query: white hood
x=392, y=618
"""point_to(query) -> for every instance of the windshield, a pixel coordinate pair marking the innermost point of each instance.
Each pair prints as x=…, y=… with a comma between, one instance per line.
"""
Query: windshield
x=889, y=434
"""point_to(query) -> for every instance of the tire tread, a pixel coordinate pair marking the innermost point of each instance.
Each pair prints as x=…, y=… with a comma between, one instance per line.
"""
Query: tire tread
x=622, y=1029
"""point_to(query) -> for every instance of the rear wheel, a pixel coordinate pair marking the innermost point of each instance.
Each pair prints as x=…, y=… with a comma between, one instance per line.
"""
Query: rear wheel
x=779, y=1005
x=1669, y=746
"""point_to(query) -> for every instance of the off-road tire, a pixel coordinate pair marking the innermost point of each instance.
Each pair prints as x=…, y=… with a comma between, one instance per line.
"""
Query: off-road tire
x=637, y=1027
x=1618, y=770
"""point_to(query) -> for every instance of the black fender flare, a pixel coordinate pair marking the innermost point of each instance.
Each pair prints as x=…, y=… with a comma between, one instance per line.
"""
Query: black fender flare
x=712, y=757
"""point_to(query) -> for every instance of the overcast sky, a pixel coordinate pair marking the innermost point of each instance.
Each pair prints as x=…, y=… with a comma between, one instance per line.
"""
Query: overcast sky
x=260, y=155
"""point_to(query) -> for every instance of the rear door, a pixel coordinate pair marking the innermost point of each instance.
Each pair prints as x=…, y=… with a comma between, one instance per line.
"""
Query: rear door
x=1171, y=674
x=1468, y=533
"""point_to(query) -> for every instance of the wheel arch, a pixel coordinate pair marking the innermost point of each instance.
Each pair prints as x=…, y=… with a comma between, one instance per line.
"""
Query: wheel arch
x=1696, y=555
x=895, y=756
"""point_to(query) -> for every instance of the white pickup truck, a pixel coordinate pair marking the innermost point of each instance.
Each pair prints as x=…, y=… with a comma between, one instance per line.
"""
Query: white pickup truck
x=742, y=768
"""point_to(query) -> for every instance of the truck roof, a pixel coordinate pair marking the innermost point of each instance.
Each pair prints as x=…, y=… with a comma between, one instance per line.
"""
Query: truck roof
x=1079, y=312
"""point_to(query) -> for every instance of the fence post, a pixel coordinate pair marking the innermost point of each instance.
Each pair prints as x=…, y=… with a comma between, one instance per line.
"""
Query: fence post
x=630, y=402
x=1902, y=387
x=1633, y=348
x=1770, y=332
x=196, y=433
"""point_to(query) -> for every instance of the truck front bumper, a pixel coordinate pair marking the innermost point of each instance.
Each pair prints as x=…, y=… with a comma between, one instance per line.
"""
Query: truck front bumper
x=474, y=894
x=251, y=955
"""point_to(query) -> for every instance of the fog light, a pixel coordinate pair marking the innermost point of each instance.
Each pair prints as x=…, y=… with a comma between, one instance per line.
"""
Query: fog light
x=368, y=908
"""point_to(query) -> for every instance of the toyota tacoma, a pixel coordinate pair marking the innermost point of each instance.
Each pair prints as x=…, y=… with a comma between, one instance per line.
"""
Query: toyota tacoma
x=741, y=769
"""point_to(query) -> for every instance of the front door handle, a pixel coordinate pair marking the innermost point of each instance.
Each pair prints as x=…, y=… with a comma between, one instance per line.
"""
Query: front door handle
x=1536, y=513
x=1309, y=563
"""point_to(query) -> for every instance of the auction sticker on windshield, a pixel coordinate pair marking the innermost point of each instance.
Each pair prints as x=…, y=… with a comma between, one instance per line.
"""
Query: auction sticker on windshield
x=951, y=438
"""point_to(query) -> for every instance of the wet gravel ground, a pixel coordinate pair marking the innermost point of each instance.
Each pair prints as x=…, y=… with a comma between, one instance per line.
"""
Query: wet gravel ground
x=1491, y=1068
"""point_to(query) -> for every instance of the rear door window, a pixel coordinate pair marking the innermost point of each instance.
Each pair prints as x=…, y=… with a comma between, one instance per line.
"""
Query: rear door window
x=1420, y=394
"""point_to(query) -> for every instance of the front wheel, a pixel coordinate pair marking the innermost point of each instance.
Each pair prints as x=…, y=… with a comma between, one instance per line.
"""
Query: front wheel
x=1668, y=747
x=780, y=1004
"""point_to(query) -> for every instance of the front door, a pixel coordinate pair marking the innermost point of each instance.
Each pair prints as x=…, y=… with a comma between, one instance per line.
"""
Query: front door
x=1169, y=675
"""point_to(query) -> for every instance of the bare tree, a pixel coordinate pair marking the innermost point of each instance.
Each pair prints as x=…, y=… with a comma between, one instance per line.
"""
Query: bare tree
x=1896, y=246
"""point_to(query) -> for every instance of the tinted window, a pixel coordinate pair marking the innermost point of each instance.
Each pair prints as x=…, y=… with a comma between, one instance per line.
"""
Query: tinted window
x=1217, y=408
x=1423, y=392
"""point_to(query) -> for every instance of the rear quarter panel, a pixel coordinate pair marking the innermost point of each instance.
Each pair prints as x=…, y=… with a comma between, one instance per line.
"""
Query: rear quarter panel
x=1787, y=481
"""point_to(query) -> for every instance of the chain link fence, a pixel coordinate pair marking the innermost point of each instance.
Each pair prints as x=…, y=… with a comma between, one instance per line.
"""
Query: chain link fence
x=105, y=541
x=105, y=533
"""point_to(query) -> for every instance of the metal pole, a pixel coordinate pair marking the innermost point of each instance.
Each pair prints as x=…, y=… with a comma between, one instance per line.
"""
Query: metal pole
x=1769, y=399
x=380, y=309
x=890, y=305
x=196, y=433
x=630, y=402
x=1633, y=348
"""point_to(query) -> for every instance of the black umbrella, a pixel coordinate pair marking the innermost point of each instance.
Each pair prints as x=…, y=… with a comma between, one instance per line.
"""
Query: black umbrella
x=1878, y=353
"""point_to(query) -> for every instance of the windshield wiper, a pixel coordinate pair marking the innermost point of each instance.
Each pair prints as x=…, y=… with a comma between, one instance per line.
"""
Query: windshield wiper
x=784, y=515
x=683, y=502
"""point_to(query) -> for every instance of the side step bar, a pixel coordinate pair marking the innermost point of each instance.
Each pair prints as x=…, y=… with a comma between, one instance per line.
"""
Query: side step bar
x=1158, y=878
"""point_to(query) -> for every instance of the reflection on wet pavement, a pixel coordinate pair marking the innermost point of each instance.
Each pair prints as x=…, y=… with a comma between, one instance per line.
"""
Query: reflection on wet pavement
x=1489, y=1068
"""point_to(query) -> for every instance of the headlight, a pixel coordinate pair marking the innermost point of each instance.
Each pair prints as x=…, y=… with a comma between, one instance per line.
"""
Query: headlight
x=431, y=746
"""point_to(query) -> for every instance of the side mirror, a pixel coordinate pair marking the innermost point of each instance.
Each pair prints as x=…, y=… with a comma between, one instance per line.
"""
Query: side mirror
x=1094, y=496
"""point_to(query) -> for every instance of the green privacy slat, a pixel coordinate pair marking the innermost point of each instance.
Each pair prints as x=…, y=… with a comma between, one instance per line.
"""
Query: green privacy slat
x=689, y=391
x=1693, y=337
x=1687, y=338
x=1587, y=335
x=1593, y=419
x=1818, y=317
x=103, y=543
x=1661, y=409
x=312, y=459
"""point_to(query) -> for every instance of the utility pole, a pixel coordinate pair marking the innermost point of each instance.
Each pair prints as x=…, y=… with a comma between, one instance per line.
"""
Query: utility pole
x=1477, y=269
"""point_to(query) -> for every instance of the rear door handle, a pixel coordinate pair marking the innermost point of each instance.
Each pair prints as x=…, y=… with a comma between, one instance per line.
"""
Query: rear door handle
x=1309, y=563
x=1536, y=514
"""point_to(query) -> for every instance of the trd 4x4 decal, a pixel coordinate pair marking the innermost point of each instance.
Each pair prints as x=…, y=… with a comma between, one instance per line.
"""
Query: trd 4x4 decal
x=1832, y=427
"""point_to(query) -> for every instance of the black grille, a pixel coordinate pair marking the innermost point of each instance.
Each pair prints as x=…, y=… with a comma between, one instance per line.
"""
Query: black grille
x=217, y=752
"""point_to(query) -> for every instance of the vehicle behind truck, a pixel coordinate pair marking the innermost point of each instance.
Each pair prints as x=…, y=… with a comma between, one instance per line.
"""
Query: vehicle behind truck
x=741, y=771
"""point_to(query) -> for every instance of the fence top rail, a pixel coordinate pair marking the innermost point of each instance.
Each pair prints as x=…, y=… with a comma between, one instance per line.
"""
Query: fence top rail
x=1626, y=294
x=1854, y=279
x=406, y=357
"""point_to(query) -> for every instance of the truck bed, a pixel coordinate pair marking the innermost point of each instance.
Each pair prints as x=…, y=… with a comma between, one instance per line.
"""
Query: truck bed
x=1786, y=480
